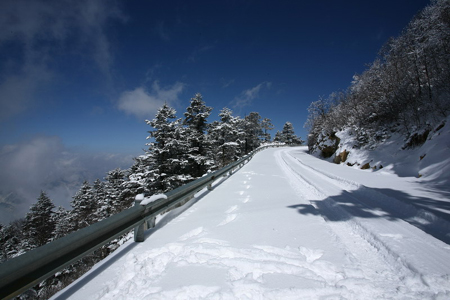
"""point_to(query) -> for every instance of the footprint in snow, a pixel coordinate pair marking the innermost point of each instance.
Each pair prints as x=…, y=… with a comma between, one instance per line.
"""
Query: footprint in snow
x=395, y=236
x=228, y=219
x=311, y=255
x=231, y=209
x=212, y=241
x=192, y=233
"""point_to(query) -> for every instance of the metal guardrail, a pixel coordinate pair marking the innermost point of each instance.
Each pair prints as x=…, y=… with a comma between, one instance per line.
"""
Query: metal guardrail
x=23, y=272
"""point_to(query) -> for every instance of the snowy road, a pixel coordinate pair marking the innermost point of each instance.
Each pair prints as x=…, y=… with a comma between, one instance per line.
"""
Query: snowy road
x=286, y=226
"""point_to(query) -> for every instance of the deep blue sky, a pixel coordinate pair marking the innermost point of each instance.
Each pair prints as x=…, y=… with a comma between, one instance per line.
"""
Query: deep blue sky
x=88, y=73
x=72, y=81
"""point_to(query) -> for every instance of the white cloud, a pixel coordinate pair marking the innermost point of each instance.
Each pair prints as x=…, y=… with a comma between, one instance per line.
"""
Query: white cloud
x=44, y=163
x=144, y=104
x=38, y=32
x=247, y=96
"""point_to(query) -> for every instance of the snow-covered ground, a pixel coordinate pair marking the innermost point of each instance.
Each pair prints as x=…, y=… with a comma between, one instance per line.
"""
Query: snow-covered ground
x=289, y=226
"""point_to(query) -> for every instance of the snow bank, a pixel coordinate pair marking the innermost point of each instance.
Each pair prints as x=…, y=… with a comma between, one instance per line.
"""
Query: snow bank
x=429, y=162
x=150, y=199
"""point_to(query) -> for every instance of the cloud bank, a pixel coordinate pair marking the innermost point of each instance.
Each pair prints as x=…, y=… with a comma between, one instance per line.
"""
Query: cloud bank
x=44, y=163
x=144, y=104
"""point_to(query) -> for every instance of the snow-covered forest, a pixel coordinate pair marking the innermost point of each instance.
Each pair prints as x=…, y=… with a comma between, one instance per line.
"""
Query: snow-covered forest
x=179, y=150
x=406, y=89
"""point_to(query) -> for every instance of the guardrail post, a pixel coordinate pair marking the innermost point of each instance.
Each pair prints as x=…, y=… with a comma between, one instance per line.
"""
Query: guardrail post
x=151, y=223
x=140, y=229
x=209, y=186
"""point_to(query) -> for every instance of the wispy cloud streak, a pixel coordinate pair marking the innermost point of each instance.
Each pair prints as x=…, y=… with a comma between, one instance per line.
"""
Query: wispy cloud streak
x=38, y=31
x=247, y=96
x=144, y=104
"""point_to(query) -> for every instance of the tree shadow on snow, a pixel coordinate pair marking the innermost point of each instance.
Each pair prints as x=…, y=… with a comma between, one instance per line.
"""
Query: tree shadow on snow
x=430, y=215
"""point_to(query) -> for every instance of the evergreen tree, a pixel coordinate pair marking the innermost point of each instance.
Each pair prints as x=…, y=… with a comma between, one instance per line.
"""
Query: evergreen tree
x=164, y=166
x=39, y=225
x=84, y=208
x=117, y=196
x=196, y=116
x=278, y=138
x=63, y=226
x=266, y=125
x=142, y=173
x=11, y=237
x=288, y=135
x=253, y=132
x=224, y=136
x=104, y=206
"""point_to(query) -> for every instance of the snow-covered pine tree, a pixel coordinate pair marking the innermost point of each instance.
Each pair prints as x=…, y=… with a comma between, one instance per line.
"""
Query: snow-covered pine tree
x=266, y=125
x=104, y=206
x=196, y=116
x=84, y=207
x=117, y=194
x=129, y=190
x=215, y=140
x=113, y=181
x=39, y=225
x=288, y=135
x=278, y=138
x=141, y=173
x=62, y=221
x=253, y=132
x=164, y=165
x=224, y=136
x=11, y=237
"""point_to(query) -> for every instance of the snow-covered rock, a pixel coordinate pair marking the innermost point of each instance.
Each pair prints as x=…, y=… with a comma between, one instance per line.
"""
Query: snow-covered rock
x=424, y=154
x=327, y=145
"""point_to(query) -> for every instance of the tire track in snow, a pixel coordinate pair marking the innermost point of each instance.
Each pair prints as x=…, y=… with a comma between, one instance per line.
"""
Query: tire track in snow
x=310, y=191
x=420, y=218
x=336, y=180
x=312, y=187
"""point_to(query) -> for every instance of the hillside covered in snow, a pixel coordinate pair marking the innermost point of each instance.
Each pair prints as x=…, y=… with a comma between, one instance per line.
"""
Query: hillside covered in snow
x=425, y=155
x=395, y=115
